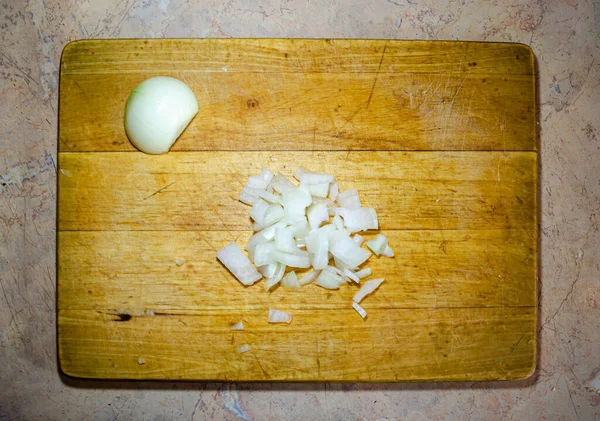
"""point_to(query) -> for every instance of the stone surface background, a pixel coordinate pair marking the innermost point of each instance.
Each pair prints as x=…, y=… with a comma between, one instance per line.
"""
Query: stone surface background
x=565, y=36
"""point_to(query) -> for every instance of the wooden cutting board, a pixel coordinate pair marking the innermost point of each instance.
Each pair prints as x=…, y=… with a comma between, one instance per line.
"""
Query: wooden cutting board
x=438, y=137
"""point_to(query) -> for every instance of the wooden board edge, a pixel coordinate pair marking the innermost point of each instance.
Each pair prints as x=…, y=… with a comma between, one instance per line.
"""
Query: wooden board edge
x=525, y=374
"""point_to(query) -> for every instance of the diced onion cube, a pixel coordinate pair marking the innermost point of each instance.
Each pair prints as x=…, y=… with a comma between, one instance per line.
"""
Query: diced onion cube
x=349, y=199
x=329, y=278
x=290, y=281
x=237, y=263
x=278, y=316
x=378, y=244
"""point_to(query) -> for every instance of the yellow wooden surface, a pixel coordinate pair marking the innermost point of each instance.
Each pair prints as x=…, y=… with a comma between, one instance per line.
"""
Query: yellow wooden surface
x=309, y=95
x=439, y=137
x=410, y=190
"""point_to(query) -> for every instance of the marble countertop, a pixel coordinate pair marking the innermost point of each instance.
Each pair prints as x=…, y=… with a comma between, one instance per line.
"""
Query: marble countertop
x=565, y=36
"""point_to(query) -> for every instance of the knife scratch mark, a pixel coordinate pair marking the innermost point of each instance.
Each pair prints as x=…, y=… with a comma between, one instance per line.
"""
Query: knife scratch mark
x=158, y=191
x=376, y=76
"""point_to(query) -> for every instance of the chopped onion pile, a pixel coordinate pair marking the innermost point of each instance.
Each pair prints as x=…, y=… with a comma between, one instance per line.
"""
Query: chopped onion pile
x=310, y=225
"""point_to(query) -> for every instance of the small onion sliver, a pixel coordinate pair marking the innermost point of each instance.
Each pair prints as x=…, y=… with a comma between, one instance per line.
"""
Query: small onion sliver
x=274, y=280
x=279, y=316
x=348, y=273
x=309, y=277
x=290, y=281
x=378, y=244
x=359, y=309
x=243, y=348
x=368, y=287
x=363, y=273
x=388, y=252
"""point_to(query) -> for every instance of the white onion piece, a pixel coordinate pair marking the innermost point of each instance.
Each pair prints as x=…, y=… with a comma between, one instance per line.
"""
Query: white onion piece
x=317, y=243
x=368, y=287
x=328, y=228
x=295, y=203
x=362, y=219
x=293, y=217
x=156, y=113
x=268, y=271
x=349, y=252
x=293, y=260
x=388, y=252
x=258, y=211
x=290, y=281
x=274, y=280
x=269, y=232
x=278, y=316
x=300, y=229
x=238, y=326
x=282, y=184
x=243, y=348
x=273, y=198
x=237, y=263
x=335, y=236
x=359, y=309
x=341, y=273
x=284, y=240
x=331, y=206
x=262, y=180
x=334, y=190
x=255, y=240
x=264, y=253
x=273, y=214
x=363, y=273
x=338, y=222
x=297, y=197
x=329, y=278
x=378, y=244
x=341, y=265
x=319, y=190
x=349, y=199
x=309, y=277
x=250, y=195
x=299, y=172
x=317, y=214
x=308, y=178
x=358, y=239
x=255, y=187
x=348, y=273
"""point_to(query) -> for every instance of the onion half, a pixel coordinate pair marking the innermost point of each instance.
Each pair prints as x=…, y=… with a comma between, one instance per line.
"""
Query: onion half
x=156, y=113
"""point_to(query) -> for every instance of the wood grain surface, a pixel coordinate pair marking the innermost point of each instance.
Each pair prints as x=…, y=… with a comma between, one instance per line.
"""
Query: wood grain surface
x=439, y=137
x=309, y=95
